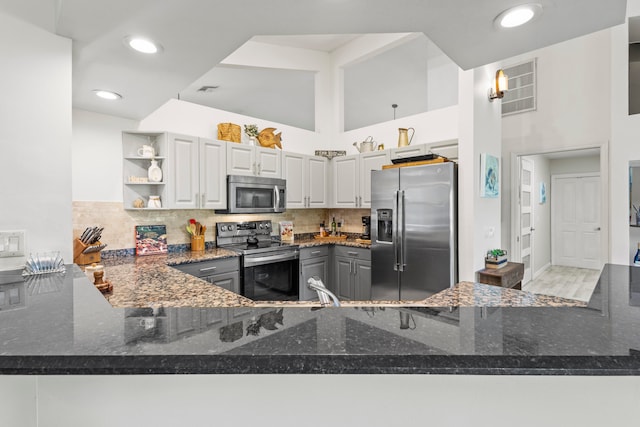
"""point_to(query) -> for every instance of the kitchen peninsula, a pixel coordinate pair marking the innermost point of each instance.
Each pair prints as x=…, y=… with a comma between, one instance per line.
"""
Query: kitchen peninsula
x=61, y=324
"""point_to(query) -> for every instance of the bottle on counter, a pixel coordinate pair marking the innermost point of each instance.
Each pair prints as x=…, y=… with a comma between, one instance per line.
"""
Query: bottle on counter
x=636, y=259
x=322, y=230
x=333, y=226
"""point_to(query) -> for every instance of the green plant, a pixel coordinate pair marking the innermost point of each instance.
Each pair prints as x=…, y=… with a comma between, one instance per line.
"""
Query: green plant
x=251, y=130
x=495, y=253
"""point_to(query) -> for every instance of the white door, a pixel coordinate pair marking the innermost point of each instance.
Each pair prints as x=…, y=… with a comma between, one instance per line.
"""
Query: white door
x=183, y=174
x=317, y=185
x=240, y=159
x=575, y=203
x=213, y=174
x=293, y=171
x=526, y=218
x=345, y=181
x=268, y=162
x=368, y=162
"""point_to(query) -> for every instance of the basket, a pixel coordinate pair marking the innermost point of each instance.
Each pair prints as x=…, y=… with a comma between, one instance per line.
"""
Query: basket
x=229, y=132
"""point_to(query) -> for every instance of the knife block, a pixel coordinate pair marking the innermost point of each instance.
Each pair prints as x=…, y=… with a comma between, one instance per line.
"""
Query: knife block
x=85, y=259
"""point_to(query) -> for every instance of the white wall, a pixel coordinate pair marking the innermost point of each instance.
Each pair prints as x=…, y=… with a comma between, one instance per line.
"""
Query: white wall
x=197, y=120
x=624, y=144
x=97, y=155
x=479, y=130
x=575, y=165
x=35, y=138
x=573, y=106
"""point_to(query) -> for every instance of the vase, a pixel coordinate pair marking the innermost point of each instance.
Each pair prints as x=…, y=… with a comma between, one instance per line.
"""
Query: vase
x=154, y=172
x=197, y=243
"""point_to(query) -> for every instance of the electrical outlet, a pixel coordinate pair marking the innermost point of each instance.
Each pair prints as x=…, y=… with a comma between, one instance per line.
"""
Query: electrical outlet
x=11, y=243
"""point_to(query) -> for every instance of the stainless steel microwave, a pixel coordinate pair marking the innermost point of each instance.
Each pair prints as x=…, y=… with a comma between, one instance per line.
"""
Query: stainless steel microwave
x=254, y=194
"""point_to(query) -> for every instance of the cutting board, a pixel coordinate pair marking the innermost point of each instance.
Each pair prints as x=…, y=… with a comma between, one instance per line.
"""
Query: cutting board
x=419, y=163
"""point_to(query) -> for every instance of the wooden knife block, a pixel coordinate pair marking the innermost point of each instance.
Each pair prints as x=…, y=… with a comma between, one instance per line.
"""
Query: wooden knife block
x=84, y=259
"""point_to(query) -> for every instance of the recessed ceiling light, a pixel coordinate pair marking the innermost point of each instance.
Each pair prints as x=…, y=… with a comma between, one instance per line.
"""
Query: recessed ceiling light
x=107, y=94
x=519, y=15
x=143, y=45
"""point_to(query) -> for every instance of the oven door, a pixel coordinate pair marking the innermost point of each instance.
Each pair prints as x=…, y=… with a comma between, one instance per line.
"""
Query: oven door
x=271, y=277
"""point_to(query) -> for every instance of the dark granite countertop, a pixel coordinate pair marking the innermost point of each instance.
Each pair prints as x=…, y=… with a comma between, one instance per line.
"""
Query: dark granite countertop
x=60, y=324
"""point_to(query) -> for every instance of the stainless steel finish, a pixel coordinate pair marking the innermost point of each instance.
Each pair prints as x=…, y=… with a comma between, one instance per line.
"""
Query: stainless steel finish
x=420, y=259
x=325, y=296
x=252, y=194
x=401, y=231
x=252, y=260
x=352, y=253
x=396, y=244
x=203, y=270
x=315, y=252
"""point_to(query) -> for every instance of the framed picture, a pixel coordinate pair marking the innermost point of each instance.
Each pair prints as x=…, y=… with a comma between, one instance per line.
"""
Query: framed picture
x=489, y=176
x=151, y=239
x=543, y=193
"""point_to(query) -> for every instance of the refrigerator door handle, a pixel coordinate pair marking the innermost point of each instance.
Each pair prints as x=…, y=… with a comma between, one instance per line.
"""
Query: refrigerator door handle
x=394, y=231
x=400, y=229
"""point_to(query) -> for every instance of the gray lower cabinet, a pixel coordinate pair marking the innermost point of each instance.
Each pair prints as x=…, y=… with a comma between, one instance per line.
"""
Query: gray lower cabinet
x=351, y=273
x=314, y=261
x=224, y=272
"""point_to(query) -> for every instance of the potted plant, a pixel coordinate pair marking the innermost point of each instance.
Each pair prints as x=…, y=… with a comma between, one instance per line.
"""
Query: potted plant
x=252, y=132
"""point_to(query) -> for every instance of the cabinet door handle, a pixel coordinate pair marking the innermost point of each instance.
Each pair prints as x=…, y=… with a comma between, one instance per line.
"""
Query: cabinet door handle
x=360, y=200
x=315, y=252
x=202, y=270
x=356, y=201
x=202, y=198
x=352, y=253
x=259, y=167
x=196, y=197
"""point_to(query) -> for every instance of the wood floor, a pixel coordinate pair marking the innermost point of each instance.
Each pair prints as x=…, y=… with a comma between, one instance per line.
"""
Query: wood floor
x=565, y=282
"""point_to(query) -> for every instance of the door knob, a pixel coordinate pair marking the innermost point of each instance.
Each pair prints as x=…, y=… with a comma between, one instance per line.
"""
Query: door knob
x=597, y=229
x=532, y=229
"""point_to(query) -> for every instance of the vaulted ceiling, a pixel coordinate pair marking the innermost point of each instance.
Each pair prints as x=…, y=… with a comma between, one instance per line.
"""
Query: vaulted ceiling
x=198, y=34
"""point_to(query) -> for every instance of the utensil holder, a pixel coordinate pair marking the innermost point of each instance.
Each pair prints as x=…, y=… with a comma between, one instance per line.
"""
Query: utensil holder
x=81, y=258
x=197, y=243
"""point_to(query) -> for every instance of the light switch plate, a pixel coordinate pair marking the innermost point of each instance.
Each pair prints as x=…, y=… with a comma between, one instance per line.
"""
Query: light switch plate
x=11, y=243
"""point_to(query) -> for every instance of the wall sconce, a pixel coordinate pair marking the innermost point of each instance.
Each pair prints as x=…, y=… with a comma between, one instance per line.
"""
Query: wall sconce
x=501, y=85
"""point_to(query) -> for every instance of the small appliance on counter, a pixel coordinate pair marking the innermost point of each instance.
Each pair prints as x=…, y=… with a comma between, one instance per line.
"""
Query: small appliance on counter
x=366, y=228
x=87, y=247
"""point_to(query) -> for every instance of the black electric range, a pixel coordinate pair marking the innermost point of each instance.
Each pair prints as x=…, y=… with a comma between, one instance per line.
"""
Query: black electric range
x=269, y=268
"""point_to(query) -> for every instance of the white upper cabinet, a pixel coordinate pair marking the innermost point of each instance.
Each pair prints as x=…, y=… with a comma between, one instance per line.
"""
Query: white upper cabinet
x=196, y=173
x=306, y=178
x=213, y=175
x=253, y=161
x=352, y=178
x=371, y=161
x=346, y=179
x=318, y=182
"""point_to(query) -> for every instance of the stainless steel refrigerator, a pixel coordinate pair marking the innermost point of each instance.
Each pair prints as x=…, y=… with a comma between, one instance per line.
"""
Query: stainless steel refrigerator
x=413, y=231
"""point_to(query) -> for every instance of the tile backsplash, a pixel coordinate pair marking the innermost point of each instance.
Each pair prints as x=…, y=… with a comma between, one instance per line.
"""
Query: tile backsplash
x=119, y=223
